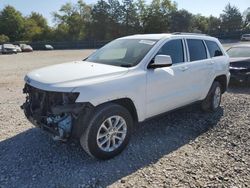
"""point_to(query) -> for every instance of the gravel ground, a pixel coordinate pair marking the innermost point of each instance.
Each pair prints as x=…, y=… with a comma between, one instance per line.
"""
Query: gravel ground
x=185, y=148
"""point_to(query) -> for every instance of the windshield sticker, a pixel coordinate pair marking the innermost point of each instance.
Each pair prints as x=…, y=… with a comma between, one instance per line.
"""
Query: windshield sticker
x=149, y=42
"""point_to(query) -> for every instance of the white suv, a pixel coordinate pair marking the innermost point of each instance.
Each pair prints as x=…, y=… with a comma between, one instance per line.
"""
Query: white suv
x=129, y=80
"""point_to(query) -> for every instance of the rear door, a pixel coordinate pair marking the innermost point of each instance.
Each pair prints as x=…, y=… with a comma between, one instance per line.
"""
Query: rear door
x=200, y=68
x=218, y=60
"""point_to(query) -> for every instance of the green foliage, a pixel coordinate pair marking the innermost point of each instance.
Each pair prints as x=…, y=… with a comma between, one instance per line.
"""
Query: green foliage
x=180, y=21
x=246, y=19
x=100, y=16
x=11, y=23
x=214, y=25
x=200, y=24
x=158, y=16
x=31, y=30
x=115, y=17
x=4, y=38
x=74, y=19
x=130, y=19
x=231, y=19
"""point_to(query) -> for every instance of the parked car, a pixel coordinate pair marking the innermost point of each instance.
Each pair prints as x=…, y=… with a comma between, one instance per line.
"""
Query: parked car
x=8, y=49
x=18, y=49
x=0, y=49
x=240, y=63
x=131, y=79
x=48, y=47
x=245, y=37
x=26, y=48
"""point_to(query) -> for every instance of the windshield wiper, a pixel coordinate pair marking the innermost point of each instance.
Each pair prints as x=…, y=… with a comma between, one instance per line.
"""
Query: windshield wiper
x=126, y=65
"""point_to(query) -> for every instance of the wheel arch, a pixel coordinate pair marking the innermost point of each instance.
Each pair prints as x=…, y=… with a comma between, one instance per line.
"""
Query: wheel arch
x=128, y=104
x=222, y=79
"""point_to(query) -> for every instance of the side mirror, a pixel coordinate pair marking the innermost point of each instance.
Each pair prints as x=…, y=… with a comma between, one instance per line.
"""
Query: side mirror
x=161, y=61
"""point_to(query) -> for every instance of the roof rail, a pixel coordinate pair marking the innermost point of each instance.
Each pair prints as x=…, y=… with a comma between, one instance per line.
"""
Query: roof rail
x=183, y=33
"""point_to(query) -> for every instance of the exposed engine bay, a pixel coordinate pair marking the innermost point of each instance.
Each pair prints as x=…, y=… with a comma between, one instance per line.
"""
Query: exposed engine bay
x=55, y=112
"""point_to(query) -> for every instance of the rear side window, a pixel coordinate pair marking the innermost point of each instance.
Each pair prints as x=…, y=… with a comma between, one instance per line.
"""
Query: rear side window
x=174, y=49
x=213, y=48
x=197, y=49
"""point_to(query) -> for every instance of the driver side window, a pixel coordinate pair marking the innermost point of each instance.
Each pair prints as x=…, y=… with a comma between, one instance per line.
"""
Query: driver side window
x=174, y=49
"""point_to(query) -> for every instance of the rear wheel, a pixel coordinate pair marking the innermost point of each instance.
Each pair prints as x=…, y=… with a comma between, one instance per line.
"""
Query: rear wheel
x=213, y=99
x=108, y=131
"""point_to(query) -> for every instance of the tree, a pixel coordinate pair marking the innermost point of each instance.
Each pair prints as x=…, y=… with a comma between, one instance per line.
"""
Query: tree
x=100, y=16
x=60, y=33
x=73, y=18
x=246, y=18
x=4, y=38
x=180, y=21
x=31, y=29
x=214, y=25
x=39, y=19
x=130, y=20
x=115, y=17
x=142, y=9
x=158, y=16
x=36, y=28
x=199, y=23
x=12, y=23
x=231, y=19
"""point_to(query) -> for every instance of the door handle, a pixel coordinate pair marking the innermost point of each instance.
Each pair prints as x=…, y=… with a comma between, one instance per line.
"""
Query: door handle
x=184, y=68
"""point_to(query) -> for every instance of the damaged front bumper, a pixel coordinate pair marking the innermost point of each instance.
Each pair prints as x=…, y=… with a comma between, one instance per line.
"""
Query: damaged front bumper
x=55, y=112
x=240, y=75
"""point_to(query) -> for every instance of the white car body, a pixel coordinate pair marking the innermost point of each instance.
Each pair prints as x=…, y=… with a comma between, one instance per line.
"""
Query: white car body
x=18, y=48
x=152, y=91
x=8, y=49
x=245, y=37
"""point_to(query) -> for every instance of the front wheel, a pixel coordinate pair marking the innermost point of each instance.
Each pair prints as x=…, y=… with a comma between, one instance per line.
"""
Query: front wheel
x=212, y=101
x=108, y=131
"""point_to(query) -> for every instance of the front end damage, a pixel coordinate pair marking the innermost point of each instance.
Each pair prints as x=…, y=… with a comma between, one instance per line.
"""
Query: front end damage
x=55, y=112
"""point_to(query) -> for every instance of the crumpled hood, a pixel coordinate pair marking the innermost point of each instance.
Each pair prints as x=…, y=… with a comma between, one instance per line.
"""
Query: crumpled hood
x=67, y=76
x=238, y=59
x=240, y=62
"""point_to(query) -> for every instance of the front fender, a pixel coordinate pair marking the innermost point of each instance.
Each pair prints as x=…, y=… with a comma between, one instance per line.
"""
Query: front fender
x=132, y=86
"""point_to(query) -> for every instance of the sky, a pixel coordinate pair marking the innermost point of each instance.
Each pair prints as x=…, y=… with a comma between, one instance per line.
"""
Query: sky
x=46, y=7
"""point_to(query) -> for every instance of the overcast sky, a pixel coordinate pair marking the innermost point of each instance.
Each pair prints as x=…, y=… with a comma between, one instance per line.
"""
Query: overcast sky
x=45, y=7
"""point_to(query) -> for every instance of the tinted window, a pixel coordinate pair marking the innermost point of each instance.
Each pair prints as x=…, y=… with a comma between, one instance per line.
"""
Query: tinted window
x=213, y=48
x=174, y=49
x=197, y=50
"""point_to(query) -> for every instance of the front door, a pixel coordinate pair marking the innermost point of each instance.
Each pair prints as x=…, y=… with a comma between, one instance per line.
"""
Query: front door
x=167, y=86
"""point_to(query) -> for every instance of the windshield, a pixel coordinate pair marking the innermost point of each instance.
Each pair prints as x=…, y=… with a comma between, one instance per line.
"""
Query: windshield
x=122, y=52
x=239, y=52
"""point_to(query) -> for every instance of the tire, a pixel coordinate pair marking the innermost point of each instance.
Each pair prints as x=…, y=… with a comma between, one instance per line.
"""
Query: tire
x=212, y=101
x=99, y=124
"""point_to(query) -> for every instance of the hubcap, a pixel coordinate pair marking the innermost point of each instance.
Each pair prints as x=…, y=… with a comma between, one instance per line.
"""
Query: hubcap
x=217, y=96
x=111, y=133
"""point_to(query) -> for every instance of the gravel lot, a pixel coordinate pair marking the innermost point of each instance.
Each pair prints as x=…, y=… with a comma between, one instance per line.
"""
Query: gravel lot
x=185, y=148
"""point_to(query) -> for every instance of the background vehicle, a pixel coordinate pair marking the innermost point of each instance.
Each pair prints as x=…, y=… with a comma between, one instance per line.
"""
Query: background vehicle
x=26, y=48
x=18, y=49
x=245, y=37
x=8, y=49
x=240, y=63
x=48, y=47
x=0, y=49
x=130, y=79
